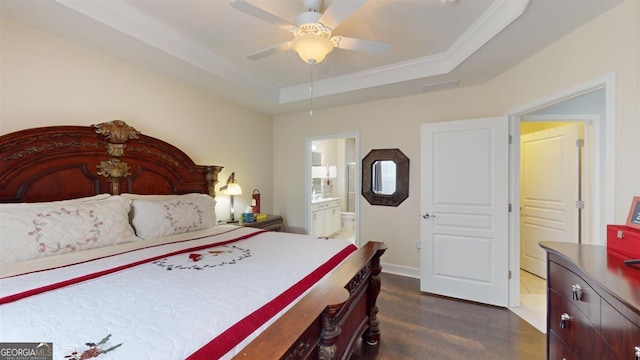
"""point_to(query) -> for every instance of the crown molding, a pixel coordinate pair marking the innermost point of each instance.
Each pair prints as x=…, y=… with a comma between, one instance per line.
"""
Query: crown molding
x=130, y=21
x=497, y=17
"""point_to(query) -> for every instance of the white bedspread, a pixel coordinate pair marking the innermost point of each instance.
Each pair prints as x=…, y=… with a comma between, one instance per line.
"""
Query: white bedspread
x=166, y=308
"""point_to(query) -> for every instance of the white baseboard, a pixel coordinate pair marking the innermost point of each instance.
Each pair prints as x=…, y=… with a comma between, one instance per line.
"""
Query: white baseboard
x=401, y=270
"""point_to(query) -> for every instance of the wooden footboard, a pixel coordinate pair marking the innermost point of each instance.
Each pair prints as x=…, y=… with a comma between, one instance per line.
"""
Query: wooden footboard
x=327, y=322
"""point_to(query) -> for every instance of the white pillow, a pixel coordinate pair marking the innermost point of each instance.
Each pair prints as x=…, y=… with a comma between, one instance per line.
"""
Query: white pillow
x=163, y=215
x=66, y=201
x=89, y=198
x=35, y=230
x=156, y=197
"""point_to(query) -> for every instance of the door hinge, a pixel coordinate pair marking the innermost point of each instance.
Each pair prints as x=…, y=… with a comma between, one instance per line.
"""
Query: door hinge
x=510, y=139
x=509, y=274
x=580, y=143
x=509, y=207
x=579, y=204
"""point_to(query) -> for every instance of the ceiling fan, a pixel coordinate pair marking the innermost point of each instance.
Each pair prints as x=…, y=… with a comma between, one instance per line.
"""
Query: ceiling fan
x=312, y=30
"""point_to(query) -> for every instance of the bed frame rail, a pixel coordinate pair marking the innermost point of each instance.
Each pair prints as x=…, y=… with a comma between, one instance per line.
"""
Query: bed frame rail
x=331, y=330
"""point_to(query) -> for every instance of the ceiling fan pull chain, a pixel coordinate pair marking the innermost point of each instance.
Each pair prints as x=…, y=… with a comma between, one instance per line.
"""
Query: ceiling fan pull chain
x=311, y=62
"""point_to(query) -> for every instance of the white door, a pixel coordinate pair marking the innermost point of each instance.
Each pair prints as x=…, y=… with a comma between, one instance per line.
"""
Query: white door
x=548, y=193
x=464, y=183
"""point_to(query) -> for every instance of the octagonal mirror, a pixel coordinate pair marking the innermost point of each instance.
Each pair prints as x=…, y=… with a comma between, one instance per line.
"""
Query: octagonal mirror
x=385, y=177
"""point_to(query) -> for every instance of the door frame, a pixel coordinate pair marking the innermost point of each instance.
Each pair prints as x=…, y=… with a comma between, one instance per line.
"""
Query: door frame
x=604, y=165
x=308, y=191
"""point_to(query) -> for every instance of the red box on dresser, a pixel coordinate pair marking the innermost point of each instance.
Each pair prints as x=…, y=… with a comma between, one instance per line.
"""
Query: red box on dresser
x=624, y=240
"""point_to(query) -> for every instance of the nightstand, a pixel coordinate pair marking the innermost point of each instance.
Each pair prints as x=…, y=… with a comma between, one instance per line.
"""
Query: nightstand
x=271, y=223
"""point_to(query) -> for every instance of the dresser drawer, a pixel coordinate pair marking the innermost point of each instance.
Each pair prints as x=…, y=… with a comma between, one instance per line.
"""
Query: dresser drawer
x=576, y=290
x=578, y=333
x=619, y=333
x=559, y=350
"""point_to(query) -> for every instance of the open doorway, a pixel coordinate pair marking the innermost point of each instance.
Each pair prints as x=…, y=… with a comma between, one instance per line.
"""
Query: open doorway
x=334, y=183
x=556, y=176
x=555, y=184
x=587, y=112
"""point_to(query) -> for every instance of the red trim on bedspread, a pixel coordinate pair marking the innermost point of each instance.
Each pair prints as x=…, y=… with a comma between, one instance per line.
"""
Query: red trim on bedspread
x=24, y=294
x=230, y=338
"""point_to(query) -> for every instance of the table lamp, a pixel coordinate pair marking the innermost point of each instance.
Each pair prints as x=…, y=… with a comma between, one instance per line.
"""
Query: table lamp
x=232, y=188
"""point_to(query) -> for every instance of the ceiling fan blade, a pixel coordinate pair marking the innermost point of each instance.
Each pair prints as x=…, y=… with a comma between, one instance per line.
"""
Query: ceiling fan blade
x=339, y=11
x=370, y=46
x=270, y=51
x=261, y=14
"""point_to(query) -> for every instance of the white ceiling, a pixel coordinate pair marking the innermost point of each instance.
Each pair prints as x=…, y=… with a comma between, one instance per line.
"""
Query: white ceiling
x=435, y=45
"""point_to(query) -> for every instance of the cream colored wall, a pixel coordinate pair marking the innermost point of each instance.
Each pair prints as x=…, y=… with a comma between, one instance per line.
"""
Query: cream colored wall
x=46, y=80
x=383, y=124
x=607, y=44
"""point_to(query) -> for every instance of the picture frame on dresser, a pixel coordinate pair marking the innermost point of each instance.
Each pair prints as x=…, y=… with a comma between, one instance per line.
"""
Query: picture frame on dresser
x=633, y=219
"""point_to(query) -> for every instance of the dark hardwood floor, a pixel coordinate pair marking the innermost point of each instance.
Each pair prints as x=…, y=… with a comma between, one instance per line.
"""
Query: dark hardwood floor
x=418, y=326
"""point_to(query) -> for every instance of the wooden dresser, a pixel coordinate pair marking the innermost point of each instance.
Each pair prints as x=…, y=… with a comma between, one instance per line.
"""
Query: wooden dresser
x=593, y=304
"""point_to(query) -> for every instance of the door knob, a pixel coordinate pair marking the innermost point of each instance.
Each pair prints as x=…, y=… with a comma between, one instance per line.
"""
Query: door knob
x=426, y=216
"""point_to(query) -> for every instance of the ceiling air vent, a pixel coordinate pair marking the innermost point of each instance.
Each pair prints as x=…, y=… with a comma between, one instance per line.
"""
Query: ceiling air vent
x=440, y=85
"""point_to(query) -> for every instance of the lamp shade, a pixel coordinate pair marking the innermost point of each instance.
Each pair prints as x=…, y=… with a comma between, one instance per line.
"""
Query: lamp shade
x=232, y=189
x=318, y=172
x=324, y=172
x=312, y=48
x=332, y=172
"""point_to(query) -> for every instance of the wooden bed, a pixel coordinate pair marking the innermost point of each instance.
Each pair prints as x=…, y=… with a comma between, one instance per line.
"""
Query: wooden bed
x=67, y=162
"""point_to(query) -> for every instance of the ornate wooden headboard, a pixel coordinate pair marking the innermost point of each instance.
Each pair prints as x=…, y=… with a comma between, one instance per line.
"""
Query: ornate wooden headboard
x=65, y=162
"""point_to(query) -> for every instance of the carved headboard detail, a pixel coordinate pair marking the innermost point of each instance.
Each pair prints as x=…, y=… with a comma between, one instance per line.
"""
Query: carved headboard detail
x=63, y=162
x=116, y=133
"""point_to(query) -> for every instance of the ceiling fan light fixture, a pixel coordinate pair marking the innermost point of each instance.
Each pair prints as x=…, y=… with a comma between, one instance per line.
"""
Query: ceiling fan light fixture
x=312, y=30
x=312, y=48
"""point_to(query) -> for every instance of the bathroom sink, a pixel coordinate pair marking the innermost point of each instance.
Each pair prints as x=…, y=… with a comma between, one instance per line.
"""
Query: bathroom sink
x=321, y=200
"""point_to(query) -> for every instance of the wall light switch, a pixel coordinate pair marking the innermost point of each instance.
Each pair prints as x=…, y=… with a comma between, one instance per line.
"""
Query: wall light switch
x=620, y=234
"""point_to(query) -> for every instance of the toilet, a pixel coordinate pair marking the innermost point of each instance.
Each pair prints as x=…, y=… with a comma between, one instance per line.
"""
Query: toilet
x=348, y=221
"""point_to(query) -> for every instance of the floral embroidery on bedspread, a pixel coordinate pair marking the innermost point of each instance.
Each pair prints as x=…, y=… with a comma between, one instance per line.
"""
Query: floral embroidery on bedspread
x=93, y=351
x=230, y=255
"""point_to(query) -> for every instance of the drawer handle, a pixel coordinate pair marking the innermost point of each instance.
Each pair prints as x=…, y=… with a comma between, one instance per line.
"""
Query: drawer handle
x=576, y=290
x=637, y=352
x=564, y=318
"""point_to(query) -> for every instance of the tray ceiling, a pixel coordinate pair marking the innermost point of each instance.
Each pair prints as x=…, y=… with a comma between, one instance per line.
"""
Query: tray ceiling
x=436, y=44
